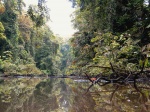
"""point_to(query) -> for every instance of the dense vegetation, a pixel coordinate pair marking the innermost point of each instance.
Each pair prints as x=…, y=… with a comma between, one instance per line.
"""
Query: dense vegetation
x=27, y=44
x=110, y=31
x=112, y=38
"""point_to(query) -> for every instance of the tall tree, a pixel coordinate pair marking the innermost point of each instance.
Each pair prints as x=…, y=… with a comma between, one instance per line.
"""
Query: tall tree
x=112, y=27
x=39, y=14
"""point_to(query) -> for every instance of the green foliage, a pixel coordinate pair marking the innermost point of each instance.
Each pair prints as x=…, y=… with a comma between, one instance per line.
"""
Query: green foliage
x=111, y=31
x=38, y=14
x=67, y=57
x=122, y=50
x=46, y=51
x=2, y=38
x=16, y=5
x=7, y=56
x=1, y=28
x=28, y=69
x=1, y=65
x=26, y=44
x=9, y=20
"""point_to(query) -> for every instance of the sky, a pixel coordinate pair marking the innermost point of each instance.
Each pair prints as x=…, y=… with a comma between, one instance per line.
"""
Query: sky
x=60, y=11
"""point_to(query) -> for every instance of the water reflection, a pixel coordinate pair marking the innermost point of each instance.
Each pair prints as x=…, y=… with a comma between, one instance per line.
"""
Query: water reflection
x=122, y=98
x=67, y=95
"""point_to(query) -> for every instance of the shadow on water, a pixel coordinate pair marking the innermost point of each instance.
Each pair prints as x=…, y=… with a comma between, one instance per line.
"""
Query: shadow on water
x=71, y=95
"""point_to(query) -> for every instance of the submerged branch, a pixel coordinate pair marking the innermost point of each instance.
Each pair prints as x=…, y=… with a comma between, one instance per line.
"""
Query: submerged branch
x=119, y=77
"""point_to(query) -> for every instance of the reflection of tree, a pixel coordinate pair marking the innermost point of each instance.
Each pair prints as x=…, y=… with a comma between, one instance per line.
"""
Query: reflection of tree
x=37, y=95
x=27, y=95
x=14, y=92
x=43, y=99
x=120, y=81
x=78, y=101
x=120, y=98
x=65, y=95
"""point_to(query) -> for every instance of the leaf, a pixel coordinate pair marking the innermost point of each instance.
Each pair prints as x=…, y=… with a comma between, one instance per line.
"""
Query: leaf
x=148, y=26
x=140, y=63
x=95, y=39
x=146, y=62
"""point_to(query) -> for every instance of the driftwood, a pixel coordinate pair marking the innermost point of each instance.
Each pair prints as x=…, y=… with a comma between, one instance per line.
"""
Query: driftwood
x=119, y=77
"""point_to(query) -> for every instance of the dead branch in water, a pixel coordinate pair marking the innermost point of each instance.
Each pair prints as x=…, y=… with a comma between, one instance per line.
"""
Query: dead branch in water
x=118, y=77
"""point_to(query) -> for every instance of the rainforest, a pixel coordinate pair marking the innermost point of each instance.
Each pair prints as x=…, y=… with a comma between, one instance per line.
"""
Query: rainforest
x=108, y=53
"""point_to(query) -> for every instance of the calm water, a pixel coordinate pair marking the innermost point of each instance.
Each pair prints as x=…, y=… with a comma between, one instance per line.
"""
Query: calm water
x=67, y=95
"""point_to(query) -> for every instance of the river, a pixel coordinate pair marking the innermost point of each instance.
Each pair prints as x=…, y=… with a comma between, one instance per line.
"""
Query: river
x=71, y=95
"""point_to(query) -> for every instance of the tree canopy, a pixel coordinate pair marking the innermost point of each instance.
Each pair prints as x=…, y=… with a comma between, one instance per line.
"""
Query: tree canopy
x=27, y=44
x=115, y=31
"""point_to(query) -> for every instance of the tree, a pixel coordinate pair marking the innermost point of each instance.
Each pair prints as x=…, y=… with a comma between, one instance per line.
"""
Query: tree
x=3, y=40
x=39, y=14
x=112, y=31
x=15, y=5
x=25, y=37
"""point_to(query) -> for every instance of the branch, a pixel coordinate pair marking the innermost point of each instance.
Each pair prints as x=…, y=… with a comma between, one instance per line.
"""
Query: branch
x=89, y=88
x=114, y=93
x=113, y=69
x=88, y=78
